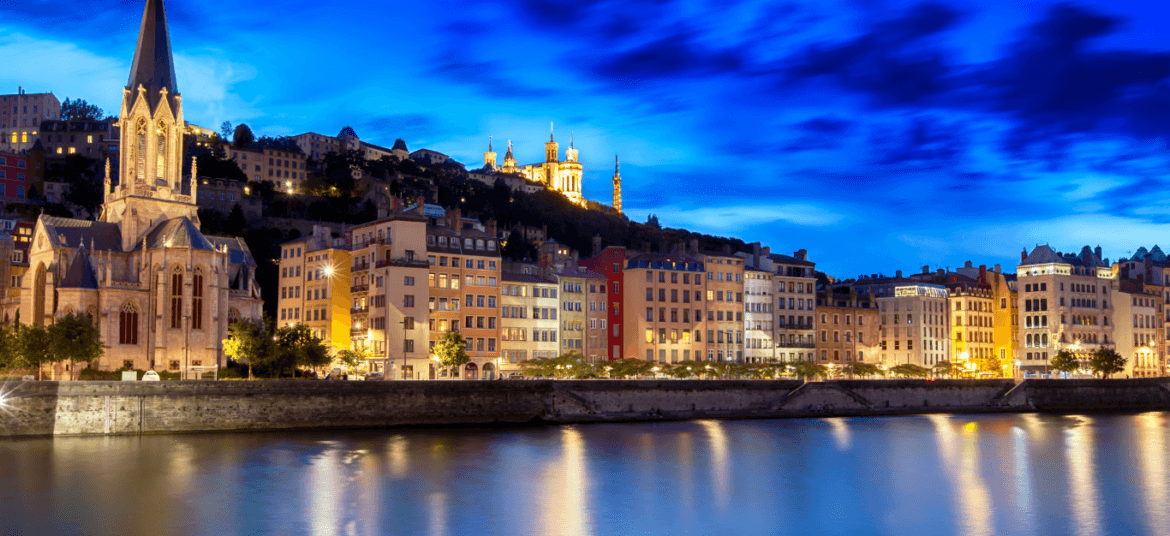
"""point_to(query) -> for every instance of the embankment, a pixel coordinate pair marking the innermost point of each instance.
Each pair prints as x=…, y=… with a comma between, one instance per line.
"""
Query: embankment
x=116, y=408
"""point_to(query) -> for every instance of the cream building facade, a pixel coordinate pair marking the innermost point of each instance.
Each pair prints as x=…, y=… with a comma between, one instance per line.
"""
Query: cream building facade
x=161, y=293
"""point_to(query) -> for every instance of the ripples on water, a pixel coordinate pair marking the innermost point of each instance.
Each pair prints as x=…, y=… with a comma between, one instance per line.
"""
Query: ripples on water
x=965, y=475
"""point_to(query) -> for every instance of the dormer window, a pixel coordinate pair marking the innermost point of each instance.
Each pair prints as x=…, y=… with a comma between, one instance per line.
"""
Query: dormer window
x=443, y=241
x=491, y=245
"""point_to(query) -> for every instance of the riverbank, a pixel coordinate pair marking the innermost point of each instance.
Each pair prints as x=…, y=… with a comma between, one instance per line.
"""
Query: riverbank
x=128, y=408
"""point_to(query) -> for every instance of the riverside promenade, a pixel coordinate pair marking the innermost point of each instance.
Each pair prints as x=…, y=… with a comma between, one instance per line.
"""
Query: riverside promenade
x=33, y=409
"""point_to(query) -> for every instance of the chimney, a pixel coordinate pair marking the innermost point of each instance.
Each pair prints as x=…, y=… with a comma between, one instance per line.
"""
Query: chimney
x=802, y=254
x=765, y=251
x=926, y=269
x=898, y=273
x=967, y=264
x=997, y=268
x=491, y=228
x=682, y=247
x=1023, y=256
x=727, y=249
x=983, y=272
x=596, y=245
x=694, y=250
x=756, y=251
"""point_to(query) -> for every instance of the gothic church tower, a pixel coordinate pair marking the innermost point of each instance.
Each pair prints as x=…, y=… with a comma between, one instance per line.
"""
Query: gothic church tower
x=150, y=180
x=617, y=185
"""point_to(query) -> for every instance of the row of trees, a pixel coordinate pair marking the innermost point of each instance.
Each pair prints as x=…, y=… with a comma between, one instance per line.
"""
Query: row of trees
x=72, y=338
x=1103, y=361
x=274, y=352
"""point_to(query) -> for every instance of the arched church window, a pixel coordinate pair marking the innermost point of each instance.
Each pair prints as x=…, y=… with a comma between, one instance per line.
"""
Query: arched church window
x=177, y=298
x=128, y=324
x=139, y=149
x=233, y=316
x=91, y=313
x=197, y=299
x=161, y=163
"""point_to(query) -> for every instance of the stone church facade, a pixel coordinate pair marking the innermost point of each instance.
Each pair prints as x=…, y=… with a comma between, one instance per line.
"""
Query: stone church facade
x=160, y=292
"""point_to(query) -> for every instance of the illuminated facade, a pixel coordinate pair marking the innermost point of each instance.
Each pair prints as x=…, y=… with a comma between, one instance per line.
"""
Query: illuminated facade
x=725, y=306
x=617, y=185
x=21, y=115
x=530, y=319
x=914, y=327
x=1140, y=316
x=611, y=263
x=1065, y=302
x=563, y=176
x=390, y=294
x=666, y=310
x=972, y=328
x=160, y=292
x=847, y=324
x=758, y=312
x=795, y=294
x=314, y=287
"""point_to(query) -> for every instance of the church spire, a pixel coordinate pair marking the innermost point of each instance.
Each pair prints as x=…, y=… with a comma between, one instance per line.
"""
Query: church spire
x=550, y=132
x=153, y=67
x=617, y=185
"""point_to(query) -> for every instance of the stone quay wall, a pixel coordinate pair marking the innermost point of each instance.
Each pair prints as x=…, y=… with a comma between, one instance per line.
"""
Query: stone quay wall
x=117, y=408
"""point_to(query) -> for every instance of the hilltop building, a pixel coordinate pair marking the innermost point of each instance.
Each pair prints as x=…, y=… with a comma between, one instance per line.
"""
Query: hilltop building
x=21, y=115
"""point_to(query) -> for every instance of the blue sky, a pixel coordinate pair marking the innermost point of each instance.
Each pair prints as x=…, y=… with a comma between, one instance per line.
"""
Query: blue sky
x=879, y=135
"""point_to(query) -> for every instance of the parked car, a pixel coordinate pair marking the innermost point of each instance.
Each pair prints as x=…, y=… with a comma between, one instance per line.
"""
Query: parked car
x=375, y=376
x=150, y=376
x=28, y=378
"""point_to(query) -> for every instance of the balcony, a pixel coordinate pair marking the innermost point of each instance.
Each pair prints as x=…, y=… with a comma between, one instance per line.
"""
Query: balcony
x=360, y=268
x=402, y=263
x=359, y=310
x=795, y=344
x=358, y=333
x=359, y=288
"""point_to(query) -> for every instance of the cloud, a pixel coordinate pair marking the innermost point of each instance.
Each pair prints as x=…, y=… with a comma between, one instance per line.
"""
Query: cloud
x=62, y=68
x=732, y=218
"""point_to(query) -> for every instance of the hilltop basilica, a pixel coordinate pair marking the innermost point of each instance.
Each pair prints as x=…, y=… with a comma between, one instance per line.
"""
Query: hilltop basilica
x=160, y=292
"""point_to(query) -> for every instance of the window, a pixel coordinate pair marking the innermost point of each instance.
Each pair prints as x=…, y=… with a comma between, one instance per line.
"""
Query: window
x=128, y=324
x=197, y=300
x=177, y=298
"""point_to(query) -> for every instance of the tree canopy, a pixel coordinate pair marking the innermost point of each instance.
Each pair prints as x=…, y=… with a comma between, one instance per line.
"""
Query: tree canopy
x=1064, y=361
x=80, y=110
x=452, y=350
x=1106, y=362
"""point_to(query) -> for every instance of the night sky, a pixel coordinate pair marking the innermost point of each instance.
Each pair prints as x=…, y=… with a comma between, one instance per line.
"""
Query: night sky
x=878, y=135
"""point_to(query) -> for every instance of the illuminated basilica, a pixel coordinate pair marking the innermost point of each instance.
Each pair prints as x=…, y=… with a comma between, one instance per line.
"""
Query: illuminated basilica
x=553, y=173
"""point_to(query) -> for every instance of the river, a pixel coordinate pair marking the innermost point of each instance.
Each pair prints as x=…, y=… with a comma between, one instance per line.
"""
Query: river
x=978, y=475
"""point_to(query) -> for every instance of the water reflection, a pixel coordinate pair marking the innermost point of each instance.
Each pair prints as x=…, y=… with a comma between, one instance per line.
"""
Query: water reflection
x=321, y=487
x=960, y=458
x=437, y=507
x=1022, y=475
x=399, y=460
x=720, y=465
x=1078, y=442
x=565, y=506
x=840, y=432
x=1152, y=450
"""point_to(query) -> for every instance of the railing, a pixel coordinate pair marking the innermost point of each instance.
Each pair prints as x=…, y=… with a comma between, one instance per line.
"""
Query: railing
x=381, y=264
x=781, y=344
x=357, y=332
x=359, y=310
x=240, y=294
x=359, y=288
x=360, y=267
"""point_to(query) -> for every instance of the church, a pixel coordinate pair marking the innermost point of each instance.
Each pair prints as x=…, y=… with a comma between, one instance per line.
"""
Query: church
x=554, y=174
x=160, y=292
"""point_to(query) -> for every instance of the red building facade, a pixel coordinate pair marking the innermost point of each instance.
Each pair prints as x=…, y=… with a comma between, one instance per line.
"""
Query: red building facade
x=611, y=263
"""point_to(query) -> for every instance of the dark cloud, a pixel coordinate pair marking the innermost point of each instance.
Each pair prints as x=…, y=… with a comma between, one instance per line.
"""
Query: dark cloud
x=825, y=125
x=486, y=77
x=894, y=62
x=406, y=126
x=1056, y=86
x=679, y=55
x=920, y=142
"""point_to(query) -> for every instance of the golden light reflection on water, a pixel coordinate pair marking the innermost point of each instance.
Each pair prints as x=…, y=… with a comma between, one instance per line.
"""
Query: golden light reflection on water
x=564, y=506
x=399, y=459
x=1152, y=449
x=1084, y=498
x=686, y=469
x=720, y=464
x=960, y=457
x=840, y=433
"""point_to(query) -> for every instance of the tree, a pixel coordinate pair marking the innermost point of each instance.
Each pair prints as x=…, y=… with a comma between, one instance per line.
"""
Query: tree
x=352, y=359
x=8, y=351
x=75, y=338
x=32, y=347
x=944, y=368
x=910, y=370
x=298, y=346
x=249, y=342
x=79, y=110
x=242, y=138
x=865, y=369
x=226, y=131
x=235, y=220
x=1106, y=361
x=1064, y=361
x=451, y=350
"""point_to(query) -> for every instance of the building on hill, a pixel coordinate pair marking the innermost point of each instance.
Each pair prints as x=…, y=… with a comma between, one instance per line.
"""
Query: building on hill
x=91, y=139
x=21, y=115
x=17, y=175
x=222, y=195
x=285, y=169
x=316, y=146
x=161, y=293
x=562, y=176
x=427, y=157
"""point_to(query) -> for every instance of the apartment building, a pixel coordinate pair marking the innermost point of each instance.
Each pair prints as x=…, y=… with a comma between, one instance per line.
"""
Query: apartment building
x=530, y=319
x=390, y=295
x=1066, y=302
x=21, y=115
x=91, y=139
x=847, y=327
x=665, y=297
x=583, y=314
x=611, y=263
x=725, y=306
x=1005, y=317
x=15, y=176
x=222, y=195
x=758, y=314
x=314, y=286
x=318, y=145
x=972, y=327
x=795, y=311
x=285, y=169
x=914, y=325
x=464, y=278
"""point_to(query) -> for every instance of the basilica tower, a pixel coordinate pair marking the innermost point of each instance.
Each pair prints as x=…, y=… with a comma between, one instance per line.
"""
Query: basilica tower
x=617, y=185
x=150, y=178
x=489, y=158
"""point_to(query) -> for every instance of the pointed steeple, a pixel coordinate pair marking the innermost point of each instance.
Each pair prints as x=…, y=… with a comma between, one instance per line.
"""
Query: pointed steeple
x=617, y=185
x=80, y=273
x=153, y=67
x=509, y=156
x=550, y=132
x=489, y=144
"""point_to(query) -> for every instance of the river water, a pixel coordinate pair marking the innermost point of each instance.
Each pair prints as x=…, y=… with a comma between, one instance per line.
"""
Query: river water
x=1085, y=475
